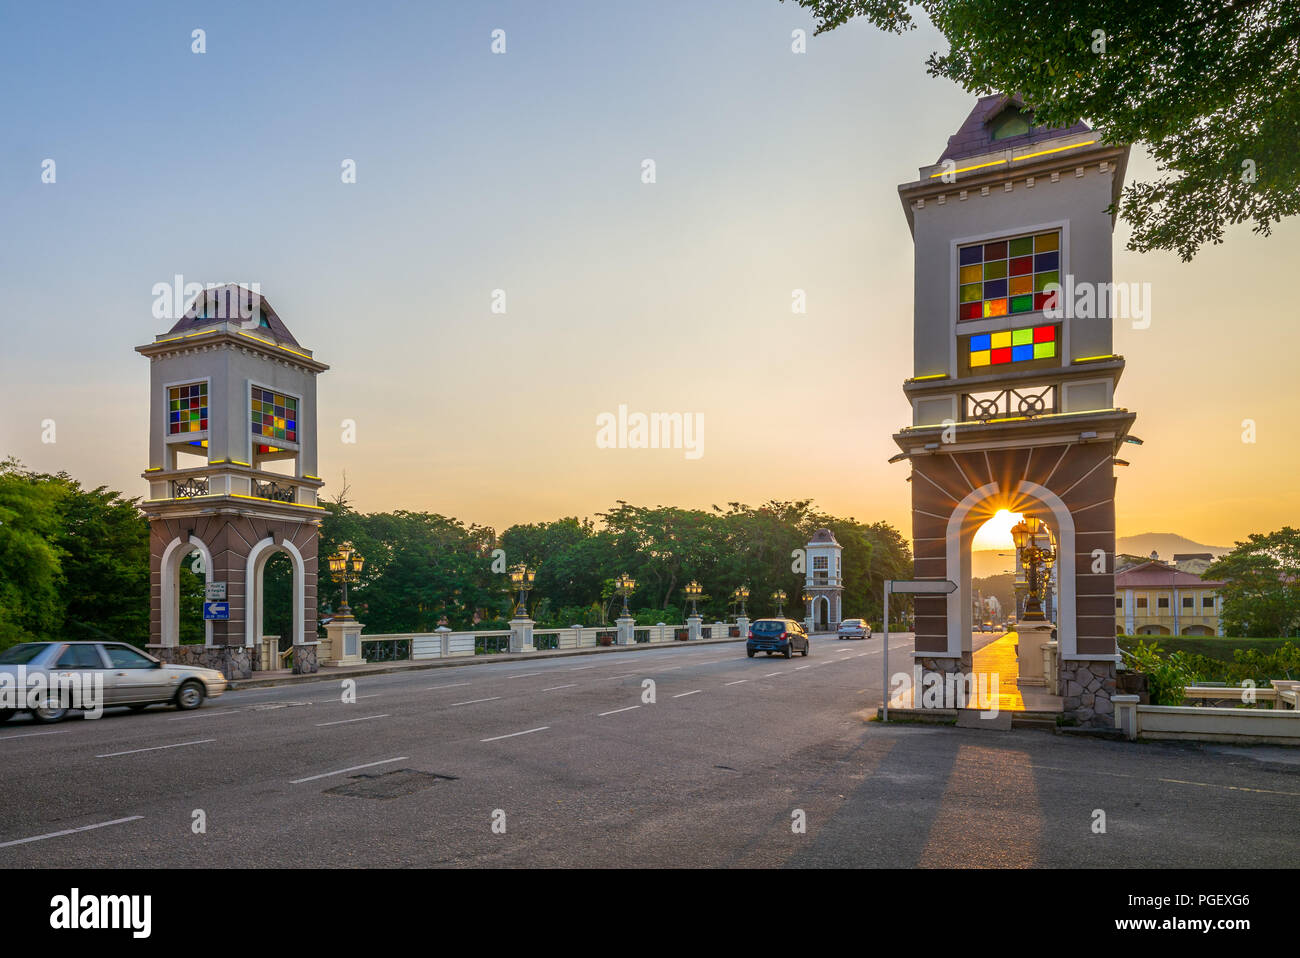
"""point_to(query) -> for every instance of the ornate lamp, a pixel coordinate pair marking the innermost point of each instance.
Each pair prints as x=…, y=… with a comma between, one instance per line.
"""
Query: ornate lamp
x=693, y=591
x=779, y=598
x=742, y=595
x=1025, y=535
x=345, y=566
x=521, y=578
x=625, y=586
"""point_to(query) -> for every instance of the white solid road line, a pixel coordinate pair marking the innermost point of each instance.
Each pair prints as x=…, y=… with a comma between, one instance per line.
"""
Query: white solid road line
x=573, y=685
x=803, y=667
x=70, y=831
x=770, y=674
x=616, y=711
x=738, y=681
x=312, y=778
x=453, y=685
x=62, y=731
x=346, y=721
x=155, y=748
x=497, y=738
x=474, y=701
x=524, y=675
x=680, y=695
x=625, y=676
x=581, y=667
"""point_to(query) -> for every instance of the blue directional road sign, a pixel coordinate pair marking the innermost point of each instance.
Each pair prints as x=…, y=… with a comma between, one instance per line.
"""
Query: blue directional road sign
x=216, y=610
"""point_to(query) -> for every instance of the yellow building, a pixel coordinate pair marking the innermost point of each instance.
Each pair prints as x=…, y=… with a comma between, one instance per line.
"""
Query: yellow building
x=1153, y=598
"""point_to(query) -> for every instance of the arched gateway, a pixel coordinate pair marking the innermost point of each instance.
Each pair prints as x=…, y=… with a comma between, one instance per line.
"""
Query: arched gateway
x=1014, y=378
x=232, y=449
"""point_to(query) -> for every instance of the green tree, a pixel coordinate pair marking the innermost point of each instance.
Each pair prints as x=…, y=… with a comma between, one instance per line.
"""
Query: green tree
x=1212, y=88
x=1261, y=594
x=31, y=573
x=104, y=541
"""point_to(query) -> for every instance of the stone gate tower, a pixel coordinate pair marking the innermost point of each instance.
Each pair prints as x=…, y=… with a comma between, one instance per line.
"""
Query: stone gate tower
x=232, y=463
x=1014, y=377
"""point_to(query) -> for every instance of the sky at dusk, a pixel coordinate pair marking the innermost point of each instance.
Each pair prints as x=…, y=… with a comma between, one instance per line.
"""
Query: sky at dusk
x=523, y=172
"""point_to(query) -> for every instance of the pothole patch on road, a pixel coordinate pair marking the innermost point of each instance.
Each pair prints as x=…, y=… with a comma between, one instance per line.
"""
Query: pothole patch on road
x=386, y=785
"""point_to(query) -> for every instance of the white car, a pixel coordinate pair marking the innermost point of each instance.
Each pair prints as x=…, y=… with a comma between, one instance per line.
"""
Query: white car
x=125, y=675
x=855, y=629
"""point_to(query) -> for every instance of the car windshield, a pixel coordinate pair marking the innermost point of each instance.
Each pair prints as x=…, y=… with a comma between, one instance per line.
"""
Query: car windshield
x=852, y=623
x=771, y=626
x=22, y=654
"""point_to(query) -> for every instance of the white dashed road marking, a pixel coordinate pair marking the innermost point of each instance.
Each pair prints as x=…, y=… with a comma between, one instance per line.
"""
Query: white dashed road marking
x=155, y=748
x=497, y=738
x=341, y=771
x=573, y=685
x=69, y=831
x=346, y=721
x=616, y=711
x=474, y=701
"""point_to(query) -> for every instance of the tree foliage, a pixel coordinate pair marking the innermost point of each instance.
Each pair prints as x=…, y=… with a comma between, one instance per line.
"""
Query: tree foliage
x=1261, y=594
x=1212, y=88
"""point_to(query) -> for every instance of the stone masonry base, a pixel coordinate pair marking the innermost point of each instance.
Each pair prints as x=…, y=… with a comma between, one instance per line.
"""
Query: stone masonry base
x=232, y=661
x=1086, y=690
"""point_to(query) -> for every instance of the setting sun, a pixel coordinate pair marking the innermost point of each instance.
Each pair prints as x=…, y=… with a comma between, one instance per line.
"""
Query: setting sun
x=996, y=533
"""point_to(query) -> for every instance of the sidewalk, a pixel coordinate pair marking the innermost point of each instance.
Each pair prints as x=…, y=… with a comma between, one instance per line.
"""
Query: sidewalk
x=333, y=673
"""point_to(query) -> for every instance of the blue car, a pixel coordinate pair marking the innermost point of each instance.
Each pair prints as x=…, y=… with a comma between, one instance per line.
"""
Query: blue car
x=785, y=636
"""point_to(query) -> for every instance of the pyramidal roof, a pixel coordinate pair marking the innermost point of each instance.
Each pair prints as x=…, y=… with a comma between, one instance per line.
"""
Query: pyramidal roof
x=976, y=134
x=232, y=303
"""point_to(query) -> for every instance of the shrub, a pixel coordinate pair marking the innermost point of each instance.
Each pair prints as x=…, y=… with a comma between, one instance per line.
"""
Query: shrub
x=1167, y=675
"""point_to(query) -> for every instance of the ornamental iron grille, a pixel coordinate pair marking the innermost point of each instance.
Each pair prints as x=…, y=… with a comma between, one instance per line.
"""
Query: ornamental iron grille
x=1009, y=403
x=188, y=488
x=275, y=491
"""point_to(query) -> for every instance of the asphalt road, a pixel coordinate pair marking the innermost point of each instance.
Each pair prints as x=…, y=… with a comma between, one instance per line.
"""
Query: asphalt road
x=582, y=772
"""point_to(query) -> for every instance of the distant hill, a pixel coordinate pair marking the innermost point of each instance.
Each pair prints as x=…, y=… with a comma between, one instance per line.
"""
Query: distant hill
x=987, y=562
x=1166, y=544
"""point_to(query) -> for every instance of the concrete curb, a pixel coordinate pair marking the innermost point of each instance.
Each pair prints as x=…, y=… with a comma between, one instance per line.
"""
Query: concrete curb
x=328, y=674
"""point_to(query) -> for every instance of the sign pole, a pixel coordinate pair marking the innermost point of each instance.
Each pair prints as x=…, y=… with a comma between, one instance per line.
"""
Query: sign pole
x=884, y=709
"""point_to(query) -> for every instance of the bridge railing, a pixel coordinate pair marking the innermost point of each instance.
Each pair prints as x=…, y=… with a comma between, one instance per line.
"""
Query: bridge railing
x=447, y=643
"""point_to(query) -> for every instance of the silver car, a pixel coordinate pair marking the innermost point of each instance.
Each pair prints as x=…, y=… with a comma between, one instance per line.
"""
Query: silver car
x=108, y=673
x=855, y=629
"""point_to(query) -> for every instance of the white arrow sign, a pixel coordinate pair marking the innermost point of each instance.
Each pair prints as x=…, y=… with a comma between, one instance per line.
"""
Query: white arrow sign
x=941, y=586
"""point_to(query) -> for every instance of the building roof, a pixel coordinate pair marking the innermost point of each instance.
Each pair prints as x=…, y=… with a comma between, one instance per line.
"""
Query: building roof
x=1157, y=575
x=234, y=303
x=823, y=537
x=975, y=135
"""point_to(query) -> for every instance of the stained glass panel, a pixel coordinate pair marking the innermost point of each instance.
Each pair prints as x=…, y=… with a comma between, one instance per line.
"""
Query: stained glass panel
x=989, y=273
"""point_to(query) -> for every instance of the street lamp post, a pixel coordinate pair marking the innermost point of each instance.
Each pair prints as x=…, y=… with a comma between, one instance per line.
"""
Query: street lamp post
x=693, y=591
x=521, y=578
x=1025, y=534
x=343, y=633
x=626, y=585
x=345, y=566
x=741, y=595
x=779, y=598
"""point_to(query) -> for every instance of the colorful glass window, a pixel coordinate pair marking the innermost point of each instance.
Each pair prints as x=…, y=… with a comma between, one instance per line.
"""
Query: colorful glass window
x=1012, y=346
x=1006, y=277
x=273, y=415
x=187, y=409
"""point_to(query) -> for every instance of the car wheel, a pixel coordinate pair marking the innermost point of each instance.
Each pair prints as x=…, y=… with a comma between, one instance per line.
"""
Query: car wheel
x=807, y=647
x=189, y=696
x=7, y=714
x=49, y=716
x=750, y=653
x=789, y=650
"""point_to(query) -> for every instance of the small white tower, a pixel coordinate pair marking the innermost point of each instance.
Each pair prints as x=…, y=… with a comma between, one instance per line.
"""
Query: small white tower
x=824, y=582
